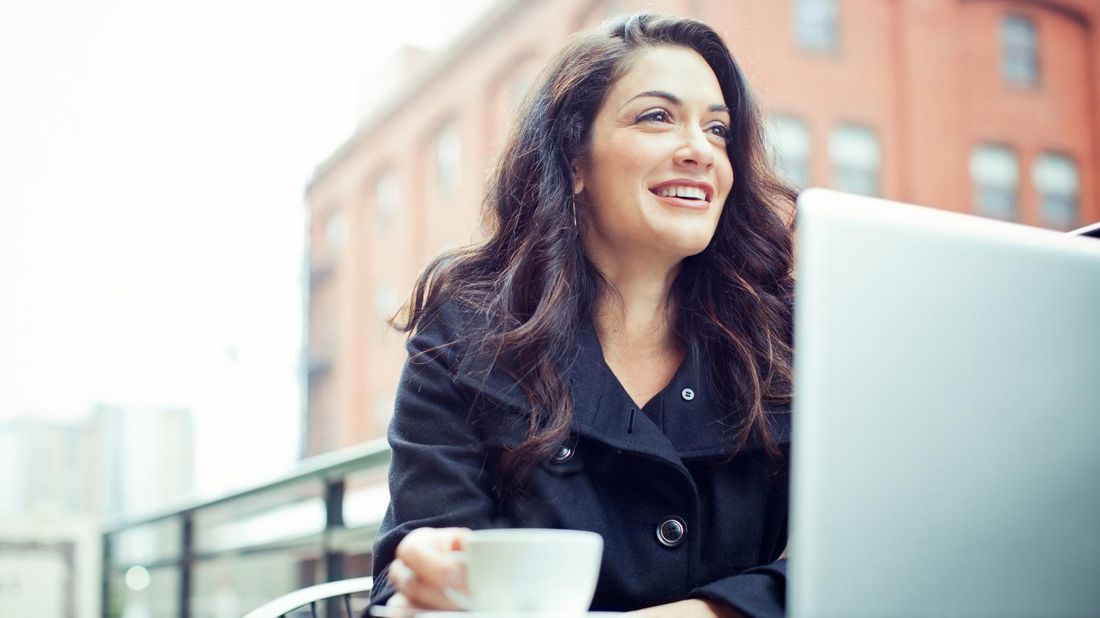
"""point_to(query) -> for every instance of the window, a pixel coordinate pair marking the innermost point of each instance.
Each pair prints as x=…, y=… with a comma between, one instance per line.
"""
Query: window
x=1058, y=183
x=1019, y=51
x=995, y=172
x=789, y=143
x=815, y=25
x=336, y=231
x=857, y=159
x=386, y=194
x=386, y=301
x=518, y=88
x=448, y=160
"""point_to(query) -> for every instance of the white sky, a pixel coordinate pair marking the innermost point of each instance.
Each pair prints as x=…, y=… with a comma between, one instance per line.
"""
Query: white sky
x=153, y=157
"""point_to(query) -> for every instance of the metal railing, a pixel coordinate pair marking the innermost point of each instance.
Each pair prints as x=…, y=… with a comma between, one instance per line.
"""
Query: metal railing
x=225, y=556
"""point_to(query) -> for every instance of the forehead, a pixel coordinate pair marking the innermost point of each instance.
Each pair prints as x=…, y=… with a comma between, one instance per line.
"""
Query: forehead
x=676, y=70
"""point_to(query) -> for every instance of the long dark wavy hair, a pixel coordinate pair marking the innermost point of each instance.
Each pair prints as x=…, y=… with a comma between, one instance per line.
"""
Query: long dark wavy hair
x=531, y=282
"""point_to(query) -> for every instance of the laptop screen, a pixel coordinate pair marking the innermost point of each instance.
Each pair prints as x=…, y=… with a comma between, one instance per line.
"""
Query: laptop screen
x=944, y=454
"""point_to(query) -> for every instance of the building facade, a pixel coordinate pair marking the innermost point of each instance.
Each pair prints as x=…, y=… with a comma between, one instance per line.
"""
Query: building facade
x=62, y=481
x=986, y=107
x=116, y=462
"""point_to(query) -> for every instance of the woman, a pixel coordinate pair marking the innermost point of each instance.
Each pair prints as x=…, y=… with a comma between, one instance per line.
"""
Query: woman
x=616, y=356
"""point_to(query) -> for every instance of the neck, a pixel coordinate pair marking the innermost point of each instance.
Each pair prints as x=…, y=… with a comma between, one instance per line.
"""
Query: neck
x=638, y=313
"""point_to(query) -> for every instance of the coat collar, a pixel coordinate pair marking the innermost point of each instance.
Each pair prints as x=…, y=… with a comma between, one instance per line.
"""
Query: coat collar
x=684, y=420
x=671, y=426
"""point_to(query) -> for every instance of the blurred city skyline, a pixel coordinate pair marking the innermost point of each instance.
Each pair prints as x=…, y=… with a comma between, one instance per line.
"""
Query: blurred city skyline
x=155, y=159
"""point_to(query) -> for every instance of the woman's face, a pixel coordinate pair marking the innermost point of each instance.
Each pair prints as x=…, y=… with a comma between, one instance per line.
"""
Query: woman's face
x=658, y=173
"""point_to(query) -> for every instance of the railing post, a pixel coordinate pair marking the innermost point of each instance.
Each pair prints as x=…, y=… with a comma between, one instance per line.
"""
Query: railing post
x=105, y=600
x=186, y=563
x=334, y=519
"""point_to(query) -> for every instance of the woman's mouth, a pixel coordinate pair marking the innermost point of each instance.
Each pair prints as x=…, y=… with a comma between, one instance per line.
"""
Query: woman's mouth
x=683, y=195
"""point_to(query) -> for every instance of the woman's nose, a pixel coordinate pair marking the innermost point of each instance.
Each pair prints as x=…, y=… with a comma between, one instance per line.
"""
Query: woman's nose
x=696, y=149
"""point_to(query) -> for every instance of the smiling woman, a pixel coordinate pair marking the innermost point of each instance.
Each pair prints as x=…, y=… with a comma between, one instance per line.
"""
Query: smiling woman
x=657, y=175
x=616, y=356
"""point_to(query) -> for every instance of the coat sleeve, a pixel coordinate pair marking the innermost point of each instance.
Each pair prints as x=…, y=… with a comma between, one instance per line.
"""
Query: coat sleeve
x=438, y=474
x=757, y=592
x=761, y=591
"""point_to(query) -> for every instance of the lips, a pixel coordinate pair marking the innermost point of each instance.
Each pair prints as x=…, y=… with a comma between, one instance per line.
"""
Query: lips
x=684, y=192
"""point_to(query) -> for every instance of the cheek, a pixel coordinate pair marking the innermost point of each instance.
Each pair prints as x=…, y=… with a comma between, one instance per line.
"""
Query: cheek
x=620, y=168
x=632, y=155
x=726, y=176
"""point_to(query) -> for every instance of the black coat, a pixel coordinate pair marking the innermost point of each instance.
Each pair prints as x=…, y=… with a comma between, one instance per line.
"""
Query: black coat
x=679, y=517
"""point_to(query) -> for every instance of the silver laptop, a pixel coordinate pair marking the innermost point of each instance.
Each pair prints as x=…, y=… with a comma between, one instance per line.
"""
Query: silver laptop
x=946, y=445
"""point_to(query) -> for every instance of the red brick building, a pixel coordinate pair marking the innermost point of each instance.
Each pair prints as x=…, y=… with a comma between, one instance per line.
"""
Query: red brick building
x=980, y=106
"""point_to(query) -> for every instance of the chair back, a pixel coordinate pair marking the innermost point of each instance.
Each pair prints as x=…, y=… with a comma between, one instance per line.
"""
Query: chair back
x=284, y=605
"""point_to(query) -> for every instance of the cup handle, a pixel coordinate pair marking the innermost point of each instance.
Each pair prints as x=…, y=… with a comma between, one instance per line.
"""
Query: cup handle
x=462, y=600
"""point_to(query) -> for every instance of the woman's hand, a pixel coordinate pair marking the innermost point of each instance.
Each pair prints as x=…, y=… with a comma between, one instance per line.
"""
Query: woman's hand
x=690, y=608
x=693, y=607
x=427, y=564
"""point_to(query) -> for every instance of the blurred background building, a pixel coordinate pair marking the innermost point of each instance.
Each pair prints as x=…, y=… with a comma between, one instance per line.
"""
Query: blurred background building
x=116, y=461
x=63, y=480
x=979, y=106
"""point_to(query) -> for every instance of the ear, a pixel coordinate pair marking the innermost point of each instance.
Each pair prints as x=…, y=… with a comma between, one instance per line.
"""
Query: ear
x=578, y=179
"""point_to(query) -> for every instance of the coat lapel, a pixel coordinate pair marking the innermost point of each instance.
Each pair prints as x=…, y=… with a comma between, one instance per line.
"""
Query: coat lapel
x=696, y=428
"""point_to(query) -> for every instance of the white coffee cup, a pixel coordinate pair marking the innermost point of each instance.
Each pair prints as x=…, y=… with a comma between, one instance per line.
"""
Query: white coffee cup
x=531, y=570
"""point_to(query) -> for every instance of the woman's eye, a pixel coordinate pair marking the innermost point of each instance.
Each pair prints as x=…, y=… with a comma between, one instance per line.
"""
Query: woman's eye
x=720, y=130
x=657, y=115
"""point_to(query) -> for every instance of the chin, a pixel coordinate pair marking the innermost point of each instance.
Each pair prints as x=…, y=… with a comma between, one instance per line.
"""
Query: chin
x=681, y=241
x=687, y=249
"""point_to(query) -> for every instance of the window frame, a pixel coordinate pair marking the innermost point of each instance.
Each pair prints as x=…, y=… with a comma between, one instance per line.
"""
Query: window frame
x=1042, y=196
x=1020, y=61
x=821, y=34
x=782, y=161
x=978, y=187
x=447, y=183
x=385, y=213
x=842, y=169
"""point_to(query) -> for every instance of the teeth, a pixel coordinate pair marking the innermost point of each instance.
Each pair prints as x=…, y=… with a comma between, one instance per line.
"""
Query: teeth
x=694, y=193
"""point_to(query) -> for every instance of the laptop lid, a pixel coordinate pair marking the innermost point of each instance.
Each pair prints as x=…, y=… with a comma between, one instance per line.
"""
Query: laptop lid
x=1092, y=231
x=946, y=437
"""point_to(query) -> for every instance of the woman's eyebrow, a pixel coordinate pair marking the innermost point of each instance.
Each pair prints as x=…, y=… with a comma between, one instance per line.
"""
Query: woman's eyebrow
x=675, y=100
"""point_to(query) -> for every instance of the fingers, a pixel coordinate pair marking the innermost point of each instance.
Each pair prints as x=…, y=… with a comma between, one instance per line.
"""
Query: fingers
x=427, y=563
x=431, y=553
x=399, y=600
x=398, y=606
x=416, y=592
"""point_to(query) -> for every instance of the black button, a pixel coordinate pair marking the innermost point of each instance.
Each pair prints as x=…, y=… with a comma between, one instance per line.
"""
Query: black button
x=564, y=454
x=671, y=531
